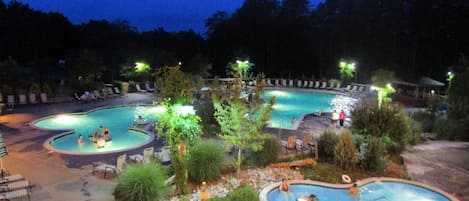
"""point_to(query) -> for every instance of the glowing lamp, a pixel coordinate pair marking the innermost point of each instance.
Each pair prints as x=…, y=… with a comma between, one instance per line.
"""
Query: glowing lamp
x=64, y=119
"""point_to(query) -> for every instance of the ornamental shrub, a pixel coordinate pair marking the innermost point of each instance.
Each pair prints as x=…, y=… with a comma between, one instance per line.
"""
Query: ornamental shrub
x=326, y=145
x=425, y=119
x=268, y=154
x=141, y=182
x=449, y=129
x=243, y=193
x=373, y=156
x=345, y=155
x=206, y=161
x=387, y=120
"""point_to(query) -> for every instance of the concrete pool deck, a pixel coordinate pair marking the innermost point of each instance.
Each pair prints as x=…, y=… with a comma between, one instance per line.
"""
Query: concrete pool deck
x=442, y=164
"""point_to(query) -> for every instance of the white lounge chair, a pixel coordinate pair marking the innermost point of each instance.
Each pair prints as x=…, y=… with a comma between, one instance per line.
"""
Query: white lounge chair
x=148, y=88
x=348, y=88
x=11, y=178
x=277, y=83
x=43, y=98
x=331, y=86
x=115, y=168
x=290, y=83
x=22, y=99
x=32, y=98
x=137, y=86
x=311, y=84
x=305, y=83
x=323, y=86
x=21, y=184
x=97, y=94
x=360, y=89
x=316, y=84
x=164, y=155
x=90, y=96
x=145, y=158
x=284, y=83
x=269, y=83
x=110, y=92
x=337, y=88
x=147, y=154
x=298, y=83
x=117, y=91
x=10, y=103
x=354, y=88
x=13, y=195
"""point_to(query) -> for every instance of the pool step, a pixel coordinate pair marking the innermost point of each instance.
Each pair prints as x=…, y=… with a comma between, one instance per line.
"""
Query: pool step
x=382, y=198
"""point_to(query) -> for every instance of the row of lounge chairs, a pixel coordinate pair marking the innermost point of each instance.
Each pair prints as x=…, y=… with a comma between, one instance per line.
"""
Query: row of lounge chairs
x=304, y=84
x=297, y=145
x=15, y=187
x=148, y=88
x=105, y=93
x=23, y=100
x=122, y=160
x=317, y=85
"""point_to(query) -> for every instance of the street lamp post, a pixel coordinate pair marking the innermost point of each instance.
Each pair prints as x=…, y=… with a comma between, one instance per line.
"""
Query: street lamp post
x=347, y=70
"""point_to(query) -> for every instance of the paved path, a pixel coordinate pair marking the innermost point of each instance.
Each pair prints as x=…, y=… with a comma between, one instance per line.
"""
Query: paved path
x=442, y=164
x=56, y=176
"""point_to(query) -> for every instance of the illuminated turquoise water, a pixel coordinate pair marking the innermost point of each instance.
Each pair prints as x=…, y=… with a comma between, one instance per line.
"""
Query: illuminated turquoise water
x=291, y=104
x=117, y=119
x=376, y=191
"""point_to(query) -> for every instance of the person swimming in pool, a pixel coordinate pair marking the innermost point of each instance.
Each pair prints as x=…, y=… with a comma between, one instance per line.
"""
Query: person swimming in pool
x=285, y=188
x=80, y=139
x=311, y=197
x=354, y=191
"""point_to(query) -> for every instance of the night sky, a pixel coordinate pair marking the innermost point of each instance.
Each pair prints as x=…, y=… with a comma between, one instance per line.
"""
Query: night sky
x=172, y=15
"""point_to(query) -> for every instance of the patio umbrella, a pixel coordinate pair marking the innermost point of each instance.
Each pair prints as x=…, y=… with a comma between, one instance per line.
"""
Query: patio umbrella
x=3, y=152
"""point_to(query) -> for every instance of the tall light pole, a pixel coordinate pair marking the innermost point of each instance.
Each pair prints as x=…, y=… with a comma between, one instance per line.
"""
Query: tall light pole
x=450, y=77
x=347, y=70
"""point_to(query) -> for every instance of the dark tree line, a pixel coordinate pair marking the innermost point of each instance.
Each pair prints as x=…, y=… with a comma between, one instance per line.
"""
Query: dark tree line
x=410, y=37
x=285, y=38
x=47, y=46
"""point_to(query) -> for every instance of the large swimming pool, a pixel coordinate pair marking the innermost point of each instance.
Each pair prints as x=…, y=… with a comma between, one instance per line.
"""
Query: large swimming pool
x=374, y=191
x=296, y=103
x=117, y=119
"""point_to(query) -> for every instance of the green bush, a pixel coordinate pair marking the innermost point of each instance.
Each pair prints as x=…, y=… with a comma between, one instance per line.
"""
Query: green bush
x=387, y=120
x=416, y=127
x=326, y=145
x=345, y=155
x=425, y=119
x=141, y=182
x=205, y=111
x=243, y=193
x=269, y=153
x=358, y=140
x=206, y=161
x=449, y=129
x=373, y=156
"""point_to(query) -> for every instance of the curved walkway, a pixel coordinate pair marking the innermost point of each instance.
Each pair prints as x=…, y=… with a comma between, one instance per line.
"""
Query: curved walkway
x=442, y=164
x=57, y=176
